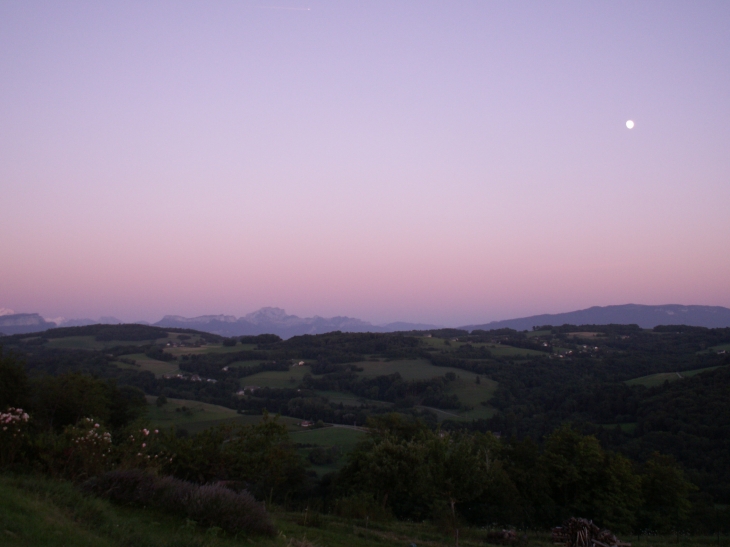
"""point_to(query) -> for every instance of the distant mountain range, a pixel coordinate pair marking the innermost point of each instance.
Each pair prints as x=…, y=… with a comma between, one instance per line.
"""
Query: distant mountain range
x=20, y=323
x=276, y=321
x=645, y=316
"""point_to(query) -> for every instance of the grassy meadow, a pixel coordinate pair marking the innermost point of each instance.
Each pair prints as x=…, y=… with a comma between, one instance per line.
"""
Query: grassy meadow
x=277, y=379
x=653, y=380
x=42, y=512
x=158, y=368
x=198, y=416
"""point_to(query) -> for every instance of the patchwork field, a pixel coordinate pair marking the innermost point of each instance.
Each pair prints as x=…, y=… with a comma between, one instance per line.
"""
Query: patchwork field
x=350, y=399
x=158, y=368
x=471, y=393
x=277, y=379
x=658, y=379
x=721, y=347
x=209, y=348
x=465, y=386
x=409, y=369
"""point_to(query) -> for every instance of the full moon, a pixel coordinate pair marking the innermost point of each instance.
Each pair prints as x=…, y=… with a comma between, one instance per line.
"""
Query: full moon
x=630, y=124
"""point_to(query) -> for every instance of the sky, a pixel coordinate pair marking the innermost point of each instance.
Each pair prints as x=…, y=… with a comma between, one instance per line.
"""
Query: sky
x=443, y=162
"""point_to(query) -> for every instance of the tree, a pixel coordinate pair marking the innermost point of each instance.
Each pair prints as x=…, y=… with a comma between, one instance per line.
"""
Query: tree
x=665, y=491
x=573, y=464
x=63, y=400
x=459, y=466
x=14, y=387
x=588, y=482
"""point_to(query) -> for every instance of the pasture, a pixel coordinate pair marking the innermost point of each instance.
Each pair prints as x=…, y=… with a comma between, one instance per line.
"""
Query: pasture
x=653, y=380
x=409, y=369
x=158, y=368
x=208, y=348
x=195, y=416
x=276, y=379
x=471, y=393
x=349, y=399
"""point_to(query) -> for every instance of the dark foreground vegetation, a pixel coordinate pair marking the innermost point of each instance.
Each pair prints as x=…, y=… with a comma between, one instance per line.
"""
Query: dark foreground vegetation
x=581, y=422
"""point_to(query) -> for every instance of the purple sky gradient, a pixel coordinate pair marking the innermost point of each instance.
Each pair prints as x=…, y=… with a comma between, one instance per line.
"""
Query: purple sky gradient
x=447, y=162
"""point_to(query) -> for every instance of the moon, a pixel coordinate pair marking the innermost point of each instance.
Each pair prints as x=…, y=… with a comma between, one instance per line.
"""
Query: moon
x=630, y=124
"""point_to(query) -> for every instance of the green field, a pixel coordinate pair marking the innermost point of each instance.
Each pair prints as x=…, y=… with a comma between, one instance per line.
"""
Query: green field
x=471, y=393
x=653, y=380
x=721, y=347
x=158, y=368
x=209, y=348
x=277, y=379
x=409, y=369
x=350, y=399
x=201, y=416
x=465, y=386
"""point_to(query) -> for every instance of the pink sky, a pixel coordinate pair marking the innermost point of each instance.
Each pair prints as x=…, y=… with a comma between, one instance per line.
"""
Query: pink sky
x=421, y=161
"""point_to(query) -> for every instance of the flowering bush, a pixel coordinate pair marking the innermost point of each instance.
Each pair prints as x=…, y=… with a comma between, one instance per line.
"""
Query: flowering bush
x=13, y=434
x=87, y=449
x=143, y=449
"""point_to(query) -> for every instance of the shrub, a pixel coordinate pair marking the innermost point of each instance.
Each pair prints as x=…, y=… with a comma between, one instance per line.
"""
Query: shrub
x=86, y=449
x=143, y=449
x=210, y=505
x=13, y=434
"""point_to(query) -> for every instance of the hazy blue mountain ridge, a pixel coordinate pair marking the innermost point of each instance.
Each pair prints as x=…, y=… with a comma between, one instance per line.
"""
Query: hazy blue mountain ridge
x=277, y=321
x=645, y=316
x=21, y=323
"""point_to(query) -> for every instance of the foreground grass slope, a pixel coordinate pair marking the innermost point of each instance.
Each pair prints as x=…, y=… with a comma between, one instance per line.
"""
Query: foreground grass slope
x=45, y=513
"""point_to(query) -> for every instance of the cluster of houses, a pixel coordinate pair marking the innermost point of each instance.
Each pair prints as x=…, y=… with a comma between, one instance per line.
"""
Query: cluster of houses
x=191, y=378
x=247, y=390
